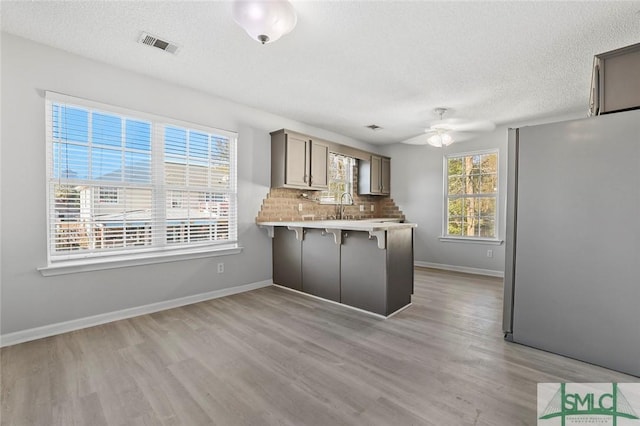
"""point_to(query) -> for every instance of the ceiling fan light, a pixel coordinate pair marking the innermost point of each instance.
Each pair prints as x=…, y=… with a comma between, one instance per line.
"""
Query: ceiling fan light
x=265, y=21
x=440, y=139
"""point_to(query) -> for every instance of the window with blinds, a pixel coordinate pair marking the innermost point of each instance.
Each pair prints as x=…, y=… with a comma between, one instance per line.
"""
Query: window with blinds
x=127, y=182
x=340, y=178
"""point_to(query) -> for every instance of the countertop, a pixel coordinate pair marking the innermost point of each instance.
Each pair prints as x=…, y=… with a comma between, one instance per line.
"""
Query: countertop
x=370, y=225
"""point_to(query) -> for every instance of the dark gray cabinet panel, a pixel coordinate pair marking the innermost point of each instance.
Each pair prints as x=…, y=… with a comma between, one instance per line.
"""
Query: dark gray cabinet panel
x=364, y=273
x=357, y=272
x=287, y=259
x=321, y=265
x=399, y=269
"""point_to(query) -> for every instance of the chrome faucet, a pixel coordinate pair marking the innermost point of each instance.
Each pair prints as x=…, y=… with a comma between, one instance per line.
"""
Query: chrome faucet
x=342, y=204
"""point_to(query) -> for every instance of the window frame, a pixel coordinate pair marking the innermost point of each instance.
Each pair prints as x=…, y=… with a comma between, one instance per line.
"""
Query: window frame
x=157, y=252
x=444, y=236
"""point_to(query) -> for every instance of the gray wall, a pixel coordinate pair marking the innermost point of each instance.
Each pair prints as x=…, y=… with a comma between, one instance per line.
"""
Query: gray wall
x=30, y=300
x=417, y=187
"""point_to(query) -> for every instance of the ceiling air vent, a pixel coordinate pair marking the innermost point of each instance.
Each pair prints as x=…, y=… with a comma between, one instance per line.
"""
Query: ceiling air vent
x=374, y=127
x=151, y=40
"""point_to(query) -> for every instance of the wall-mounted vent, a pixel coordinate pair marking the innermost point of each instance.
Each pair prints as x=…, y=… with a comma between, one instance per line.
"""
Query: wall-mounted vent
x=151, y=40
x=373, y=127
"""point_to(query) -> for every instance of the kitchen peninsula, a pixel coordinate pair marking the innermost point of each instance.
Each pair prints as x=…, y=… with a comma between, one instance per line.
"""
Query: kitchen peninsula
x=366, y=264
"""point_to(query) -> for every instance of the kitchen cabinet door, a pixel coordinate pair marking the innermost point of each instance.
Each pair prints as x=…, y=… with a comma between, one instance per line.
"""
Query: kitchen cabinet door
x=385, y=176
x=321, y=265
x=363, y=273
x=319, y=166
x=374, y=176
x=287, y=259
x=297, y=161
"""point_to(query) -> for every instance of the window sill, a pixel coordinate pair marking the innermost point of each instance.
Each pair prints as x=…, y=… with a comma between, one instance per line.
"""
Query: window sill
x=472, y=240
x=123, y=261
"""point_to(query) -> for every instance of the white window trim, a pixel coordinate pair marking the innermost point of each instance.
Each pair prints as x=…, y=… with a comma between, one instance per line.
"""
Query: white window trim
x=473, y=240
x=445, y=213
x=95, y=262
x=136, y=259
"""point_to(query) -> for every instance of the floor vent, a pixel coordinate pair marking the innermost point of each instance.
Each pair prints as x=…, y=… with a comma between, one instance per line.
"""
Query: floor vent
x=151, y=40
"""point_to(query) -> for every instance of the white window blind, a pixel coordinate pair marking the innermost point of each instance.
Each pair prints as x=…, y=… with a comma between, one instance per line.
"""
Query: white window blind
x=121, y=181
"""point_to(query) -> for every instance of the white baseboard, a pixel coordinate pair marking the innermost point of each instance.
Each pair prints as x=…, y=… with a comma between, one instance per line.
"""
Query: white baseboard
x=465, y=269
x=77, y=324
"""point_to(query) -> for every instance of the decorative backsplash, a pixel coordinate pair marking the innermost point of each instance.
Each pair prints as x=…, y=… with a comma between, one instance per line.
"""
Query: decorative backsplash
x=282, y=204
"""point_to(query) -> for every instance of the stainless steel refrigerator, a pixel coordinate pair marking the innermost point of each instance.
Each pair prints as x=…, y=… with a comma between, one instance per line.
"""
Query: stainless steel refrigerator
x=572, y=272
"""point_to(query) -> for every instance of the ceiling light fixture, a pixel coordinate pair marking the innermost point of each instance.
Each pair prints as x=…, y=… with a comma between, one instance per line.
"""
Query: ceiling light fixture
x=265, y=20
x=441, y=137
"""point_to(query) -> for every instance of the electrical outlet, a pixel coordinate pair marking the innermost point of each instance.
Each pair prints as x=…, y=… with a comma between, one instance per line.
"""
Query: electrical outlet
x=373, y=207
x=299, y=207
x=361, y=207
x=489, y=253
x=220, y=268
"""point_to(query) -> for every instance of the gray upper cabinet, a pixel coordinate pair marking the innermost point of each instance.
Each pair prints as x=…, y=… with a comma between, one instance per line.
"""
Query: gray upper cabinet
x=319, y=165
x=297, y=161
x=374, y=176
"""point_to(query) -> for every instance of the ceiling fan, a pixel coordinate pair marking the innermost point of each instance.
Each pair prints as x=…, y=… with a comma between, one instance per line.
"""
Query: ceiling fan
x=446, y=131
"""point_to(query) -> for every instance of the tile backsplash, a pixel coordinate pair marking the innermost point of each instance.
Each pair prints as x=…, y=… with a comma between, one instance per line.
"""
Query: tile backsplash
x=282, y=204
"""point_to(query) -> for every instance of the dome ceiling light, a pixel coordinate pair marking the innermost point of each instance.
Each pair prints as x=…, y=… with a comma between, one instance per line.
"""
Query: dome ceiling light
x=265, y=21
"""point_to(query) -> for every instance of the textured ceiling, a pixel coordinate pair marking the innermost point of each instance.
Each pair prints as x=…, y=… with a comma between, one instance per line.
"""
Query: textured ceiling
x=349, y=64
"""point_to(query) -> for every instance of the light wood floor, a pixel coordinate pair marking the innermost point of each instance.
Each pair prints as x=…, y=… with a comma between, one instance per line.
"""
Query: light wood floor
x=274, y=357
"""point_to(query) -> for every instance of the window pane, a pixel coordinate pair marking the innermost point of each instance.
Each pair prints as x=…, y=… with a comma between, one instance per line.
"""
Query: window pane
x=106, y=164
x=455, y=207
x=197, y=216
x=137, y=167
x=455, y=225
x=488, y=184
x=488, y=207
x=70, y=124
x=455, y=166
x=138, y=135
x=108, y=195
x=70, y=161
x=472, y=184
x=456, y=185
x=198, y=175
x=106, y=130
x=198, y=148
x=175, y=143
x=489, y=163
x=470, y=227
x=220, y=151
x=127, y=223
x=487, y=228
